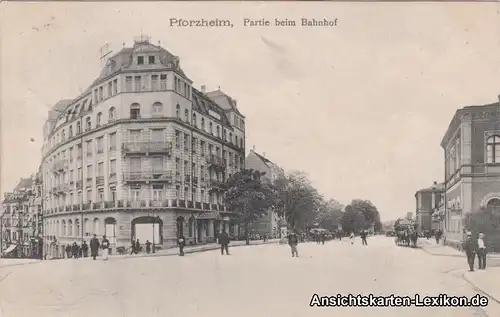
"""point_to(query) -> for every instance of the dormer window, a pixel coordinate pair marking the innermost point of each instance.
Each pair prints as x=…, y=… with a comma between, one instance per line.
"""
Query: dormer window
x=140, y=60
x=151, y=59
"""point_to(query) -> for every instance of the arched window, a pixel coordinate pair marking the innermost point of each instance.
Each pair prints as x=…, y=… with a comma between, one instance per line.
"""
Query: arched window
x=218, y=131
x=96, y=226
x=98, y=120
x=78, y=128
x=69, y=228
x=63, y=135
x=241, y=143
x=203, y=124
x=495, y=202
x=88, y=124
x=230, y=137
x=135, y=111
x=224, y=134
x=210, y=128
x=235, y=140
x=86, y=226
x=58, y=229
x=493, y=149
x=194, y=120
x=77, y=231
x=157, y=109
x=178, y=111
x=112, y=114
x=70, y=131
x=186, y=115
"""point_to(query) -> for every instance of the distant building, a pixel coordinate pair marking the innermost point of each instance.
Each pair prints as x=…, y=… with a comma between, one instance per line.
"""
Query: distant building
x=472, y=165
x=270, y=224
x=427, y=200
x=21, y=219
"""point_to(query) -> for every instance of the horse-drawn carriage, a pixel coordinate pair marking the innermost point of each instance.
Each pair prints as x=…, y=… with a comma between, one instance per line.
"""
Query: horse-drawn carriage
x=406, y=233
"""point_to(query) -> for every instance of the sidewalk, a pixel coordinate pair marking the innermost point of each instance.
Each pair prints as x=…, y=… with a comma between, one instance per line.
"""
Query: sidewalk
x=486, y=281
x=431, y=247
x=166, y=252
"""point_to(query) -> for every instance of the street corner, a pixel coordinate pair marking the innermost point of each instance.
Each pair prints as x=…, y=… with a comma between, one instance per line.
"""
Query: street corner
x=486, y=281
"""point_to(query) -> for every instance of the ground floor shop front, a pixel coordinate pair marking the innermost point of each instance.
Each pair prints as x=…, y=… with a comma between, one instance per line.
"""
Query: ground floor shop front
x=160, y=227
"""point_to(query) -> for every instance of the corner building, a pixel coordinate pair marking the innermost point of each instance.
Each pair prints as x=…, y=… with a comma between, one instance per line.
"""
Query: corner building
x=472, y=166
x=141, y=154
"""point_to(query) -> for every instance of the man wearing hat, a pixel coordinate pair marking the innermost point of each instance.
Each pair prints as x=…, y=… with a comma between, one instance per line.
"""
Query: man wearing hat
x=481, y=251
x=470, y=251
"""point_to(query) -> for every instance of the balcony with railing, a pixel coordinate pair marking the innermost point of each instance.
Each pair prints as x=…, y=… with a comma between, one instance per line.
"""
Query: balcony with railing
x=153, y=176
x=216, y=184
x=112, y=177
x=59, y=166
x=216, y=161
x=99, y=180
x=158, y=203
x=140, y=147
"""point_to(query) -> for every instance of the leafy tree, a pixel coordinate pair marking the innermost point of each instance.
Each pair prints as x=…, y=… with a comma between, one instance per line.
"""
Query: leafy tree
x=330, y=214
x=249, y=196
x=361, y=214
x=299, y=200
x=487, y=221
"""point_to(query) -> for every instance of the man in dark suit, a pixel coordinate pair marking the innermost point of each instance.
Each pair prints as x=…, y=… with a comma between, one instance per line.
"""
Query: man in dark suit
x=224, y=242
x=470, y=251
x=94, y=247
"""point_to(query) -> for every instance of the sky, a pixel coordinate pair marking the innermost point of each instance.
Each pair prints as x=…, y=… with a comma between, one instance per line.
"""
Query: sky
x=360, y=107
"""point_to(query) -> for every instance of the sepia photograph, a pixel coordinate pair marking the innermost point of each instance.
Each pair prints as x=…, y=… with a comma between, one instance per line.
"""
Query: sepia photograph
x=274, y=158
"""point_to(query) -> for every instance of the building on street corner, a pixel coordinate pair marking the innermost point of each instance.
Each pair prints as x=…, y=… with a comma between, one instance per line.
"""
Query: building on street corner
x=472, y=165
x=141, y=154
x=270, y=224
x=427, y=200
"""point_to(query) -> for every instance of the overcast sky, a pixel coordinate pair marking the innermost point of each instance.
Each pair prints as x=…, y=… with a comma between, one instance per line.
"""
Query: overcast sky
x=361, y=107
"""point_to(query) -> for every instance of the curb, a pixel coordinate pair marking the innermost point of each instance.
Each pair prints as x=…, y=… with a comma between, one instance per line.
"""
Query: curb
x=438, y=254
x=186, y=251
x=464, y=276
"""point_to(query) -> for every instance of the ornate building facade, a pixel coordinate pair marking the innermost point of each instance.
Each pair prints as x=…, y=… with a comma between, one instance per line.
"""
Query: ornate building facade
x=141, y=154
x=21, y=219
x=472, y=166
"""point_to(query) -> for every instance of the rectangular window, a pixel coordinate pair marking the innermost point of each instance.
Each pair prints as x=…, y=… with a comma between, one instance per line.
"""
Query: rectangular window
x=101, y=93
x=202, y=148
x=157, y=135
x=112, y=167
x=175, y=83
x=140, y=60
x=163, y=82
x=136, y=193
x=186, y=169
x=89, y=148
x=110, y=89
x=100, y=144
x=89, y=194
x=193, y=144
x=79, y=175
x=115, y=86
x=135, y=135
x=100, y=169
x=186, y=142
x=157, y=192
x=151, y=59
x=157, y=164
x=89, y=171
x=177, y=166
x=128, y=84
x=193, y=169
x=112, y=193
x=96, y=97
x=154, y=82
x=100, y=194
x=137, y=83
x=202, y=172
x=177, y=192
x=177, y=137
x=112, y=141
x=135, y=164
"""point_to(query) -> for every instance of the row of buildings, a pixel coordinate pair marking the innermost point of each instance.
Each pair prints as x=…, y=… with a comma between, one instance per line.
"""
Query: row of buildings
x=141, y=154
x=471, y=183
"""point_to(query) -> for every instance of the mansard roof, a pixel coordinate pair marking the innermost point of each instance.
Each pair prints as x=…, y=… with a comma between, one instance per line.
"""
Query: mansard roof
x=203, y=104
x=225, y=101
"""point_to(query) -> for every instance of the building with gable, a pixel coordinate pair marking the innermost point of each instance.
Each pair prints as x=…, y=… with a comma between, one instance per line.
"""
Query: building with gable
x=471, y=147
x=270, y=224
x=427, y=201
x=141, y=154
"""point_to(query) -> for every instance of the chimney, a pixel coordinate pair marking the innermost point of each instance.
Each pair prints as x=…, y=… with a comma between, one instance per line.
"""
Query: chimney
x=435, y=183
x=264, y=154
x=203, y=88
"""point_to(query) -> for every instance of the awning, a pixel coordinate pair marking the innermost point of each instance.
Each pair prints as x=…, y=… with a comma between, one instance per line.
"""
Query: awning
x=9, y=249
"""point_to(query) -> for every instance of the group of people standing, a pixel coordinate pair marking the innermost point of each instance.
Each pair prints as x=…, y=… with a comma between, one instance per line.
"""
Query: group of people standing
x=473, y=248
x=76, y=251
x=363, y=235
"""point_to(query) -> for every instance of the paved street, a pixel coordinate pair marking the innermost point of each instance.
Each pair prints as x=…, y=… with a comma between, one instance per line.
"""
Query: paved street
x=254, y=281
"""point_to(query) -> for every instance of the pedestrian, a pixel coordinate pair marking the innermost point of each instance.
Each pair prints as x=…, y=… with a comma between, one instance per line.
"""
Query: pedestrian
x=85, y=249
x=68, y=251
x=182, y=243
x=224, y=242
x=105, y=248
x=352, y=237
x=137, y=246
x=470, y=251
x=363, y=237
x=481, y=251
x=134, y=250
x=74, y=250
x=293, y=241
x=148, y=247
x=94, y=247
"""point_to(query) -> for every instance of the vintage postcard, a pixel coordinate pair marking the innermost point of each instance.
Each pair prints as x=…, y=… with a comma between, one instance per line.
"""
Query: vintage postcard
x=164, y=158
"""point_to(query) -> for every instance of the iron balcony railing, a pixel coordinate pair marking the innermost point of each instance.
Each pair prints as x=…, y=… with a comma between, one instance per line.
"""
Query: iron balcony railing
x=153, y=176
x=215, y=160
x=140, y=147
